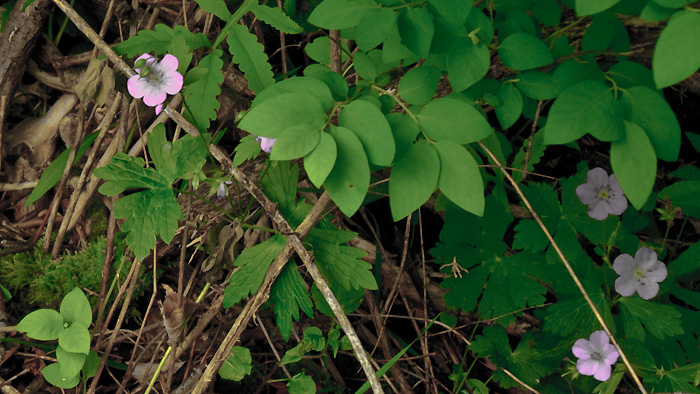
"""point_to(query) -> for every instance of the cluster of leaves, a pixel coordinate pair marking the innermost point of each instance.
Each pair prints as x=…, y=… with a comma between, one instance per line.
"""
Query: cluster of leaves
x=70, y=327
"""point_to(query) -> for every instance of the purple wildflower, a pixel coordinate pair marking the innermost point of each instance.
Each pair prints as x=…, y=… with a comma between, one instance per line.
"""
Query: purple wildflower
x=266, y=143
x=163, y=79
x=602, y=194
x=640, y=274
x=595, y=356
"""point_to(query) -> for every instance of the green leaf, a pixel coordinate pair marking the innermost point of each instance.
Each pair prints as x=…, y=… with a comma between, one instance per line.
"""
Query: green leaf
x=250, y=56
x=340, y=14
x=684, y=194
x=587, y=107
x=419, y=85
x=574, y=318
x=660, y=320
x=339, y=263
x=75, y=339
x=75, y=308
x=375, y=26
x=313, y=340
x=276, y=18
x=629, y=74
x=467, y=63
x=246, y=149
x=42, y=324
x=460, y=179
x=254, y=263
x=371, y=127
x=319, y=162
x=52, y=374
x=200, y=94
x=454, y=120
x=279, y=183
x=455, y=12
x=528, y=234
x=521, y=51
x=364, y=66
x=661, y=125
x=304, y=85
x=416, y=29
x=159, y=41
x=547, y=11
x=92, y=362
x=320, y=50
x=348, y=181
x=598, y=35
x=288, y=294
x=70, y=363
x=653, y=12
x=511, y=106
x=290, y=109
x=301, y=383
x=295, y=142
x=634, y=163
x=676, y=56
x=413, y=179
x=238, y=364
x=335, y=82
x=216, y=7
x=590, y=7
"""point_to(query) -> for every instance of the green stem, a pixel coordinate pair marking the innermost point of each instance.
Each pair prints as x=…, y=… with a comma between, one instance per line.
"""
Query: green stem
x=63, y=26
x=404, y=107
x=245, y=7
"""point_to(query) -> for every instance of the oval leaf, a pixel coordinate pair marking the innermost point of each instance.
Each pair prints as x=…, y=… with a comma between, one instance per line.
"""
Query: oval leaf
x=460, y=179
x=660, y=124
x=454, y=120
x=289, y=109
x=70, y=363
x=372, y=128
x=416, y=29
x=676, y=55
x=521, y=51
x=590, y=7
x=75, y=339
x=304, y=85
x=511, y=106
x=348, y=181
x=43, y=324
x=340, y=14
x=319, y=163
x=52, y=374
x=75, y=308
x=634, y=163
x=413, y=179
x=419, y=85
x=467, y=63
x=295, y=142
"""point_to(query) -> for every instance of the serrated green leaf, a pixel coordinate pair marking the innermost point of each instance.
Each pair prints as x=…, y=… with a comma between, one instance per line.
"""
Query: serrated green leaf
x=348, y=181
x=246, y=149
x=587, y=107
x=416, y=30
x=75, y=339
x=676, y=56
x=536, y=152
x=460, y=179
x=684, y=194
x=301, y=384
x=339, y=263
x=320, y=161
x=253, y=263
x=419, y=85
x=340, y=14
x=288, y=294
x=200, y=94
x=545, y=201
x=521, y=51
x=573, y=317
x=453, y=120
x=159, y=41
x=634, y=163
x=467, y=63
x=589, y=7
x=75, y=308
x=371, y=127
x=304, y=85
x=413, y=179
x=70, y=363
x=42, y=324
x=237, y=365
x=660, y=320
x=290, y=109
x=280, y=185
x=375, y=26
x=250, y=56
x=660, y=125
x=276, y=18
x=216, y=7
x=510, y=107
x=52, y=374
x=295, y=142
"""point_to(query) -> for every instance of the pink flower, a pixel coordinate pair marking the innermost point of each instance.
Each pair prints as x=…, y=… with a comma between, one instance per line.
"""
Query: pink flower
x=602, y=194
x=640, y=274
x=266, y=143
x=595, y=357
x=162, y=80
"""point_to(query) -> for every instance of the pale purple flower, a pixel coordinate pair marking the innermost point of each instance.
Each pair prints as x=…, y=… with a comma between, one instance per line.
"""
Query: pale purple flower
x=595, y=356
x=266, y=143
x=221, y=192
x=163, y=79
x=640, y=274
x=602, y=194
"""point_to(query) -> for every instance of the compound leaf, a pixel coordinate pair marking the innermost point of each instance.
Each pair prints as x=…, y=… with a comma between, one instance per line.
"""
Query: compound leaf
x=660, y=320
x=339, y=263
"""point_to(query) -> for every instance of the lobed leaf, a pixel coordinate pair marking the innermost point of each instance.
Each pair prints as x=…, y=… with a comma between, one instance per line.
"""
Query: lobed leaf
x=200, y=95
x=250, y=56
x=288, y=295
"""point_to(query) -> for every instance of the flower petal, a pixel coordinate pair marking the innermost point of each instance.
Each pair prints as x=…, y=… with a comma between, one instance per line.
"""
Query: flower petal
x=172, y=82
x=587, y=193
x=168, y=64
x=616, y=204
x=598, y=177
x=624, y=265
x=587, y=367
x=603, y=372
x=647, y=289
x=221, y=191
x=598, y=210
x=657, y=272
x=154, y=97
x=614, y=185
x=266, y=143
x=137, y=86
x=599, y=339
x=582, y=349
x=625, y=285
x=611, y=354
x=645, y=256
x=159, y=108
